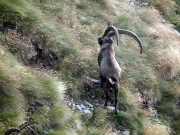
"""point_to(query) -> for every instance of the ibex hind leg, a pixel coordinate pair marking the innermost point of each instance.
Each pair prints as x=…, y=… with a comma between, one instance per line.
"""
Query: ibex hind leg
x=107, y=96
x=116, y=91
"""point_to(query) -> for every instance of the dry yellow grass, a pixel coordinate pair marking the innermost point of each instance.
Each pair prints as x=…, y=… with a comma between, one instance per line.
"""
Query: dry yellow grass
x=163, y=32
x=168, y=51
x=165, y=35
x=168, y=62
x=162, y=5
x=157, y=129
x=150, y=15
x=121, y=7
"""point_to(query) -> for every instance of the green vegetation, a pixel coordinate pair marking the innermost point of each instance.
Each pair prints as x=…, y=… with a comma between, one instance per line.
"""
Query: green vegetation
x=21, y=88
x=131, y=122
x=70, y=29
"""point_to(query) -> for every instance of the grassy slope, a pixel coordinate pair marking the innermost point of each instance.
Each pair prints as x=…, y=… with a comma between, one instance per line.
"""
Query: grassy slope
x=71, y=29
x=170, y=12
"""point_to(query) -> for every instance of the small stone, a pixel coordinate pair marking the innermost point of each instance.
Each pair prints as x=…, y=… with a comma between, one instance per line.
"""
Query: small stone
x=111, y=108
x=78, y=107
x=40, y=46
x=127, y=132
x=83, y=107
x=31, y=54
x=87, y=103
x=73, y=106
x=94, y=80
x=163, y=21
x=87, y=111
x=48, y=110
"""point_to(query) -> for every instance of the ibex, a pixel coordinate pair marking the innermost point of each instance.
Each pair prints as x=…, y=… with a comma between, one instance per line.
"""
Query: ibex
x=110, y=71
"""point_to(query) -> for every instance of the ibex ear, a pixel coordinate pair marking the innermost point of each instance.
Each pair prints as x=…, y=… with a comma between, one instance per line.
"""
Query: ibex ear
x=100, y=40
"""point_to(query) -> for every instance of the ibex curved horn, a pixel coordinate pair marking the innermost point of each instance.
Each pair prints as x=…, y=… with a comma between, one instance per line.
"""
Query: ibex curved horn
x=115, y=32
x=131, y=34
x=11, y=130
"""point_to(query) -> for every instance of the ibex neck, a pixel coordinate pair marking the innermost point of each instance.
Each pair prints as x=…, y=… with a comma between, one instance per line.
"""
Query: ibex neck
x=108, y=50
x=106, y=46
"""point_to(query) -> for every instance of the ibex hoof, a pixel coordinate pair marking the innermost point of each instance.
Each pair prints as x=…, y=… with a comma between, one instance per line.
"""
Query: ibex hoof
x=116, y=112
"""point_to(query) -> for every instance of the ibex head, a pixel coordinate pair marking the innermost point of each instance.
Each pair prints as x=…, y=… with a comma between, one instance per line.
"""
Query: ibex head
x=112, y=31
x=107, y=36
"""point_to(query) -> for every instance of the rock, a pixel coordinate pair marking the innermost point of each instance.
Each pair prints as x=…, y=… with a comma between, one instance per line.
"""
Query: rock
x=31, y=54
x=83, y=107
x=126, y=132
x=87, y=112
x=94, y=80
x=111, y=108
x=87, y=103
x=78, y=107
x=73, y=105
x=163, y=21
x=40, y=46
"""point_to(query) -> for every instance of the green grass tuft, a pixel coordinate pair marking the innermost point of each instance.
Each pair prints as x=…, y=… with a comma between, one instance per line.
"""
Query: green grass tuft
x=128, y=121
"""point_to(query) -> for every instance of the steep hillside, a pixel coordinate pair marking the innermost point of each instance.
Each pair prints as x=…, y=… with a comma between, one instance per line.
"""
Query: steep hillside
x=48, y=50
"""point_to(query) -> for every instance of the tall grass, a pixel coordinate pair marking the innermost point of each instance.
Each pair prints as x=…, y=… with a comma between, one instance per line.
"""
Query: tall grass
x=22, y=88
x=11, y=113
x=21, y=12
x=168, y=63
x=128, y=121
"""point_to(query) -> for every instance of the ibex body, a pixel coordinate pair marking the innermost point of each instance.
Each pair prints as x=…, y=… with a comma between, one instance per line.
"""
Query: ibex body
x=110, y=71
